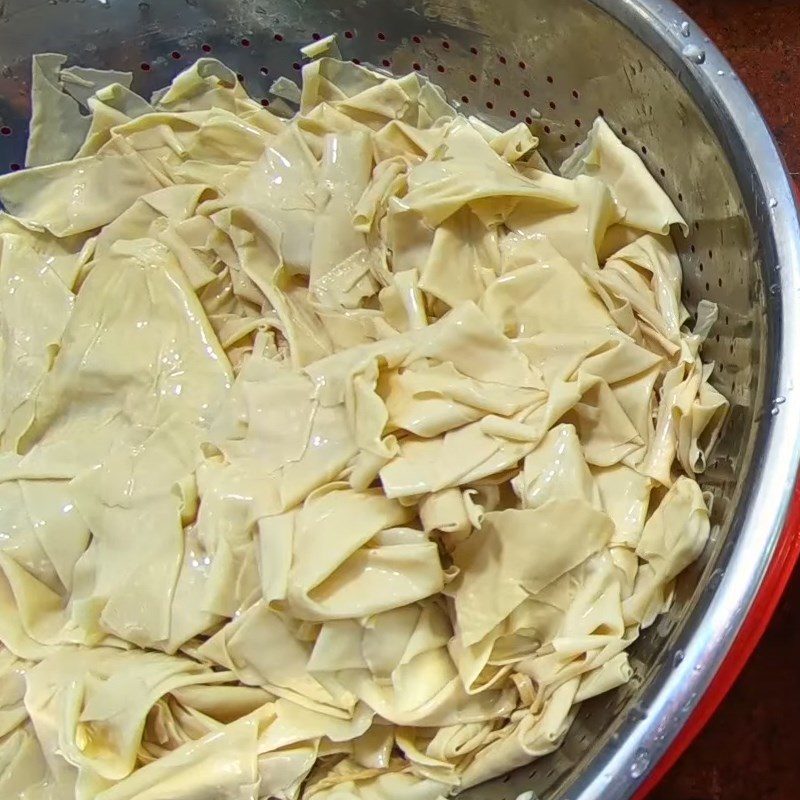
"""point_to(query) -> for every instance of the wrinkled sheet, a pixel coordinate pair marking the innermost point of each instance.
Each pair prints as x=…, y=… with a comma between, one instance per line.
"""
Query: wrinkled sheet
x=341, y=456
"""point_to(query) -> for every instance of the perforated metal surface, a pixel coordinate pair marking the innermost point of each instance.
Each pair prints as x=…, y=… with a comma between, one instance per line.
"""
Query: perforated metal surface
x=554, y=65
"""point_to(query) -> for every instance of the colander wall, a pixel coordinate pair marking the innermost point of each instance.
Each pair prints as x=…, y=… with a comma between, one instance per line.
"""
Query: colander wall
x=556, y=65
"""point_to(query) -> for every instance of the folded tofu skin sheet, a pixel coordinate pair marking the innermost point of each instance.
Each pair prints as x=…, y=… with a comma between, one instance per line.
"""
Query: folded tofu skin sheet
x=343, y=451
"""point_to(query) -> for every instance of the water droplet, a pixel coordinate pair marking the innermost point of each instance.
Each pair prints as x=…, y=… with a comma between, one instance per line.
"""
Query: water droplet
x=689, y=704
x=694, y=54
x=698, y=668
x=640, y=763
x=721, y=73
x=775, y=410
x=778, y=267
x=715, y=579
x=780, y=400
x=774, y=289
x=773, y=203
x=677, y=659
x=659, y=736
x=686, y=29
x=144, y=6
x=637, y=714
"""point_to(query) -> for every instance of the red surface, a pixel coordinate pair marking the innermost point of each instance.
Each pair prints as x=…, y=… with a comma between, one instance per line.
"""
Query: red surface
x=761, y=38
x=749, y=749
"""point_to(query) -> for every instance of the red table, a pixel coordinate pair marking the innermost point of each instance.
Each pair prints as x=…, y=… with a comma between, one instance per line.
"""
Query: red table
x=761, y=38
x=751, y=748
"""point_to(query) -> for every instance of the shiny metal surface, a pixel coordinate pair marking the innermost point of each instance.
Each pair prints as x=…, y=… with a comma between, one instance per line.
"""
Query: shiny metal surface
x=670, y=94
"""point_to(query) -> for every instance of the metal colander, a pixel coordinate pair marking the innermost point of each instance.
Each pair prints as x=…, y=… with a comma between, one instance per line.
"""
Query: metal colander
x=554, y=64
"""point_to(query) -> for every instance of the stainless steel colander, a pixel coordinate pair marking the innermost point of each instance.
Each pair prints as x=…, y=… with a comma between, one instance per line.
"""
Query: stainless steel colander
x=556, y=64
